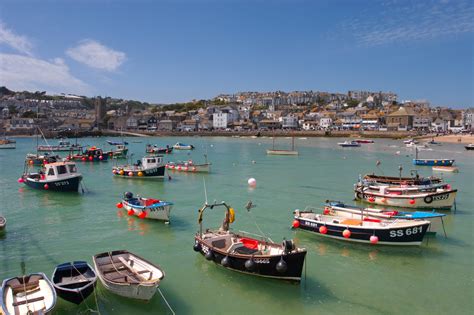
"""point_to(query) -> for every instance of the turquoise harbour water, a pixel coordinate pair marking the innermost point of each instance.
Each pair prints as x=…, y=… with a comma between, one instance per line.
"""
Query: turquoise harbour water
x=46, y=228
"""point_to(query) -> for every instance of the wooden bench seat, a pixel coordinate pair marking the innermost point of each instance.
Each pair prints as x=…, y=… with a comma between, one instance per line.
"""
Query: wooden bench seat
x=36, y=299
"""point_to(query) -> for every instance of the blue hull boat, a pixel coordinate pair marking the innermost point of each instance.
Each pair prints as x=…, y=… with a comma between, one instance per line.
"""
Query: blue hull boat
x=433, y=162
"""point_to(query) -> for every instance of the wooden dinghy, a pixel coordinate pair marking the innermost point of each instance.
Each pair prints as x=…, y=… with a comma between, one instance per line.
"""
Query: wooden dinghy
x=31, y=294
x=149, y=208
x=127, y=274
x=74, y=281
x=449, y=169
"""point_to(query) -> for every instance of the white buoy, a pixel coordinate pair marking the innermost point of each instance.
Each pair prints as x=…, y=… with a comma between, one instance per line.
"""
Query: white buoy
x=252, y=182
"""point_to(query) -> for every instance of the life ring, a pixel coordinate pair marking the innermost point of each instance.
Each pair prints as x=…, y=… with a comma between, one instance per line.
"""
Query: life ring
x=231, y=215
x=428, y=199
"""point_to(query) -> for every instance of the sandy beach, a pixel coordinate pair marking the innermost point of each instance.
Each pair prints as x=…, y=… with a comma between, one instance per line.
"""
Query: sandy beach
x=456, y=139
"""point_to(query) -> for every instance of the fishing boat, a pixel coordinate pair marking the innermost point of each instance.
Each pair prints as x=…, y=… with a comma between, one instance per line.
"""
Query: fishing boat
x=58, y=176
x=469, y=147
x=340, y=209
x=347, y=143
x=119, y=152
x=364, y=141
x=154, y=149
x=431, y=162
x=117, y=142
x=274, y=151
x=149, y=208
x=7, y=144
x=29, y=294
x=149, y=167
x=190, y=166
x=442, y=198
x=127, y=274
x=92, y=154
x=41, y=159
x=448, y=169
x=63, y=145
x=74, y=281
x=241, y=252
x=399, y=180
x=3, y=223
x=362, y=230
x=182, y=146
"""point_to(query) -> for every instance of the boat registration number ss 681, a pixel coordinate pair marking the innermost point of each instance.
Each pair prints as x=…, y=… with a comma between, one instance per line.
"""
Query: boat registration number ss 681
x=408, y=232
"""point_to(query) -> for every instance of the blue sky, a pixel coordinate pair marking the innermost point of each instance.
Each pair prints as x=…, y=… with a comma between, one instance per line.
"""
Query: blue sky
x=170, y=51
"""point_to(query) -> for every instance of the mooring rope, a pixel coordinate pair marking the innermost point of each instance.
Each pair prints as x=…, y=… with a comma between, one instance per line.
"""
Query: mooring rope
x=167, y=304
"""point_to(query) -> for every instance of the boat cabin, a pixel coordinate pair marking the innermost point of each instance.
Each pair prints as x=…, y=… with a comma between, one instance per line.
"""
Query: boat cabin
x=150, y=161
x=94, y=151
x=57, y=170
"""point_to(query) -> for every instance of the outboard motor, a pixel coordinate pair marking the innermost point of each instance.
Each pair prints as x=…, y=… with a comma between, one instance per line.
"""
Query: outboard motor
x=128, y=195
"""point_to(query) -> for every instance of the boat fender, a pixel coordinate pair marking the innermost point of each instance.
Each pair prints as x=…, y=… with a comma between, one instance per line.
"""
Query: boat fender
x=209, y=255
x=281, y=266
x=250, y=265
x=428, y=199
x=225, y=261
x=231, y=215
x=197, y=247
x=359, y=195
x=288, y=245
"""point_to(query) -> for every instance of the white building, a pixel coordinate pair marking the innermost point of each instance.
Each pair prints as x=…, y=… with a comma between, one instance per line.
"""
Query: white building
x=220, y=120
x=289, y=122
x=325, y=122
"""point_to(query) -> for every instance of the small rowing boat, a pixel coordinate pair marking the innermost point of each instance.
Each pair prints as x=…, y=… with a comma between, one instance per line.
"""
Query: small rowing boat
x=29, y=294
x=364, y=141
x=74, y=281
x=182, y=146
x=149, y=208
x=449, y=169
x=469, y=147
x=3, y=223
x=158, y=150
x=348, y=144
x=127, y=274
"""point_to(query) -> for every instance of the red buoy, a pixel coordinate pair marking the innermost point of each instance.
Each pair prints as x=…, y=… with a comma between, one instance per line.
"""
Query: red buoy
x=374, y=239
x=100, y=157
x=323, y=230
x=346, y=233
x=90, y=158
x=326, y=210
x=119, y=205
x=371, y=199
x=83, y=158
x=142, y=215
x=296, y=224
x=130, y=212
x=412, y=201
x=46, y=186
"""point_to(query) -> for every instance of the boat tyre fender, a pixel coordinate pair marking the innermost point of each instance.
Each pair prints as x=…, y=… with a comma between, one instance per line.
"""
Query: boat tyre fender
x=359, y=195
x=250, y=265
x=225, y=261
x=209, y=255
x=428, y=199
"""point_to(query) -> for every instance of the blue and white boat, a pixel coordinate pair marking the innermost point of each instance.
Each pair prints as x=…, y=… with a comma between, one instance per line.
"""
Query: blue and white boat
x=146, y=207
x=433, y=162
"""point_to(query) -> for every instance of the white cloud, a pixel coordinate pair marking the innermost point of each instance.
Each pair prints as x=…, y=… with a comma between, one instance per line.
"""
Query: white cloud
x=19, y=72
x=96, y=55
x=406, y=21
x=17, y=42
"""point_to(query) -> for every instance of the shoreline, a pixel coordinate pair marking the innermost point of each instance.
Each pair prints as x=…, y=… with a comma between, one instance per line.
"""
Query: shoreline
x=235, y=134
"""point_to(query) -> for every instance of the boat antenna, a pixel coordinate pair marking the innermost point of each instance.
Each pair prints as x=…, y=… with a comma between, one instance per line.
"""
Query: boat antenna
x=416, y=152
x=205, y=190
x=377, y=164
x=400, y=169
